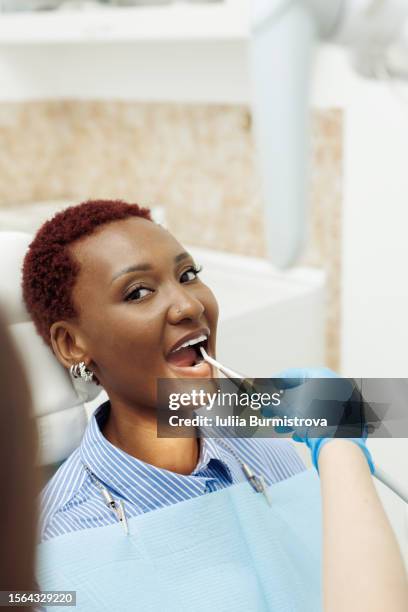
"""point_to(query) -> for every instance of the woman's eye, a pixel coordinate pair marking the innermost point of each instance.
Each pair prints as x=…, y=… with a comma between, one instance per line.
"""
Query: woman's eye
x=193, y=270
x=134, y=295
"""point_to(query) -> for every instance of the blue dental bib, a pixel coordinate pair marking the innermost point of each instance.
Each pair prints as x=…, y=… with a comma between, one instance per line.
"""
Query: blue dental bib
x=227, y=551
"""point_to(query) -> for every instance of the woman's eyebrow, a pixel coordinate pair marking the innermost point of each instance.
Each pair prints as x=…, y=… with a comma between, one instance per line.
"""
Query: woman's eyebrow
x=146, y=266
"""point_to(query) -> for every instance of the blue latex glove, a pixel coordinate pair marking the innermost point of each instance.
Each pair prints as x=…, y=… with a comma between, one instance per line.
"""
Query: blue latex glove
x=293, y=379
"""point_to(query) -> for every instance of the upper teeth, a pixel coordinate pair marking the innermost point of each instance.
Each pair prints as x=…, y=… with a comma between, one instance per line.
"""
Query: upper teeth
x=190, y=342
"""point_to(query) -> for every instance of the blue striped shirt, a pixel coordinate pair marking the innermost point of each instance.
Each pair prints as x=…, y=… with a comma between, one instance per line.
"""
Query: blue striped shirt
x=71, y=500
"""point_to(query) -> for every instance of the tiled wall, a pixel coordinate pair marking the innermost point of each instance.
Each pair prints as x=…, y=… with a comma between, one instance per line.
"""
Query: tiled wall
x=196, y=161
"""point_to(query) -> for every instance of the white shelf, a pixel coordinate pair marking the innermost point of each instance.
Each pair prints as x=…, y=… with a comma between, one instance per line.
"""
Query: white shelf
x=227, y=21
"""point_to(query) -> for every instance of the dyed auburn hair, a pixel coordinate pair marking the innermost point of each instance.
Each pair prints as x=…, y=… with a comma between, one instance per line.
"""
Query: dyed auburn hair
x=49, y=270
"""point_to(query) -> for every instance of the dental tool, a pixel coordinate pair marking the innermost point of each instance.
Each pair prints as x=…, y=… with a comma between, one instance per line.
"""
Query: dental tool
x=245, y=384
x=118, y=508
x=229, y=373
x=239, y=380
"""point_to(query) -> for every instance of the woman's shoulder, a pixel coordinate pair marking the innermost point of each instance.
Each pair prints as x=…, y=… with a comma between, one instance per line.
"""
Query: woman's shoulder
x=63, y=486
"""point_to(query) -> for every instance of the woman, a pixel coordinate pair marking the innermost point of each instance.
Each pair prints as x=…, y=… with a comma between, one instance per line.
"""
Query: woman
x=114, y=294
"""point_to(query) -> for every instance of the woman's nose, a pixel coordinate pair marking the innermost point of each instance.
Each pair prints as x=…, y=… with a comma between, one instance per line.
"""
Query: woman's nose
x=185, y=306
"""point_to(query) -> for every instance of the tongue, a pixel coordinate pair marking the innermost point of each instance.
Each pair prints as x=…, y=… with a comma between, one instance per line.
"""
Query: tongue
x=184, y=357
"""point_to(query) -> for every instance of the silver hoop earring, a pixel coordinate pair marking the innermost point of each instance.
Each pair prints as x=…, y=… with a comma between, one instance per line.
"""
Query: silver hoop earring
x=79, y=370
x=74, y=371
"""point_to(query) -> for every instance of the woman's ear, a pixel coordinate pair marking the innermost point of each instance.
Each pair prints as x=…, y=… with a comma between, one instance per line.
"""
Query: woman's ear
x=67, y=343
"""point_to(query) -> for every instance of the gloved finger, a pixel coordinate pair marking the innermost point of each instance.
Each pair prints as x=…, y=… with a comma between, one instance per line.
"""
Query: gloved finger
x=291, y=377
x=294, y=377
x=281, y=429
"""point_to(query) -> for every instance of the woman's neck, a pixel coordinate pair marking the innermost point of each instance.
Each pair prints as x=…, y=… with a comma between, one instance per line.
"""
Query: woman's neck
x=135, y=432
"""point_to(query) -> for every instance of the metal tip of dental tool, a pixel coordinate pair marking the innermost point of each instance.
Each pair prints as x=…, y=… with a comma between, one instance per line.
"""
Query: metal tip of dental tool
x=229, y=373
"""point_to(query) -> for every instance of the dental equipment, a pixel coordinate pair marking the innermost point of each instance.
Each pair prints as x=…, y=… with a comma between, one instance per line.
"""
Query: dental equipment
x=117, y=508
x=283, y=40
x=244, y=383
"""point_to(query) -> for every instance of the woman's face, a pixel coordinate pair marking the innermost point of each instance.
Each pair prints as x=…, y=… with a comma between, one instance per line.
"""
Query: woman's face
x=137, y=295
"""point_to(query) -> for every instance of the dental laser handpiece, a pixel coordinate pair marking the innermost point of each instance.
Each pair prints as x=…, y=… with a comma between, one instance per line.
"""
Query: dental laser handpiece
x=245, y=383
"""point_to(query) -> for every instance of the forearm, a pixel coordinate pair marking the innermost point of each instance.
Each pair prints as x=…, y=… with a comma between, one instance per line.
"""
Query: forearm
x=363, y=569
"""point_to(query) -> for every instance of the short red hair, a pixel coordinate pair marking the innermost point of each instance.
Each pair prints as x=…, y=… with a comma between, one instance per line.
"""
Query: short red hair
x=49, y=271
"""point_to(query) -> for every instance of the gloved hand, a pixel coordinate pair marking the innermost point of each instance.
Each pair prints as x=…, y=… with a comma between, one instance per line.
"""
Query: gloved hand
x=319, y=400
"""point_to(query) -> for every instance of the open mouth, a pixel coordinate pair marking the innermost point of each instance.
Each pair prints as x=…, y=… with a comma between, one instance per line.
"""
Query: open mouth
x=189, y=356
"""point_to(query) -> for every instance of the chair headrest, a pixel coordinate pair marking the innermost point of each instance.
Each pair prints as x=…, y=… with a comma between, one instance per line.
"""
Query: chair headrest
x=57, y=399
x=13, y=246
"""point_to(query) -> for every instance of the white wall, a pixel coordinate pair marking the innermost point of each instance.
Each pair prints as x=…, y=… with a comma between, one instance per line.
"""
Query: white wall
x=375, y=241
x=162, y=71
x=179, y=52
x=375, y=216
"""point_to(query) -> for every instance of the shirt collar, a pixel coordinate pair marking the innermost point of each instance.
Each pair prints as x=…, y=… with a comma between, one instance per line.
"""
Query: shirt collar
x=112, y=466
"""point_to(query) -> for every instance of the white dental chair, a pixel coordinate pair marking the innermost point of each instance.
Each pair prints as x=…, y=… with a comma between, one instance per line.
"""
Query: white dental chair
x=58, y=400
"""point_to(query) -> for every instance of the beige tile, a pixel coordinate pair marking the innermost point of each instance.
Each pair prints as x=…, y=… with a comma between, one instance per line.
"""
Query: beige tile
x=197, y=161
